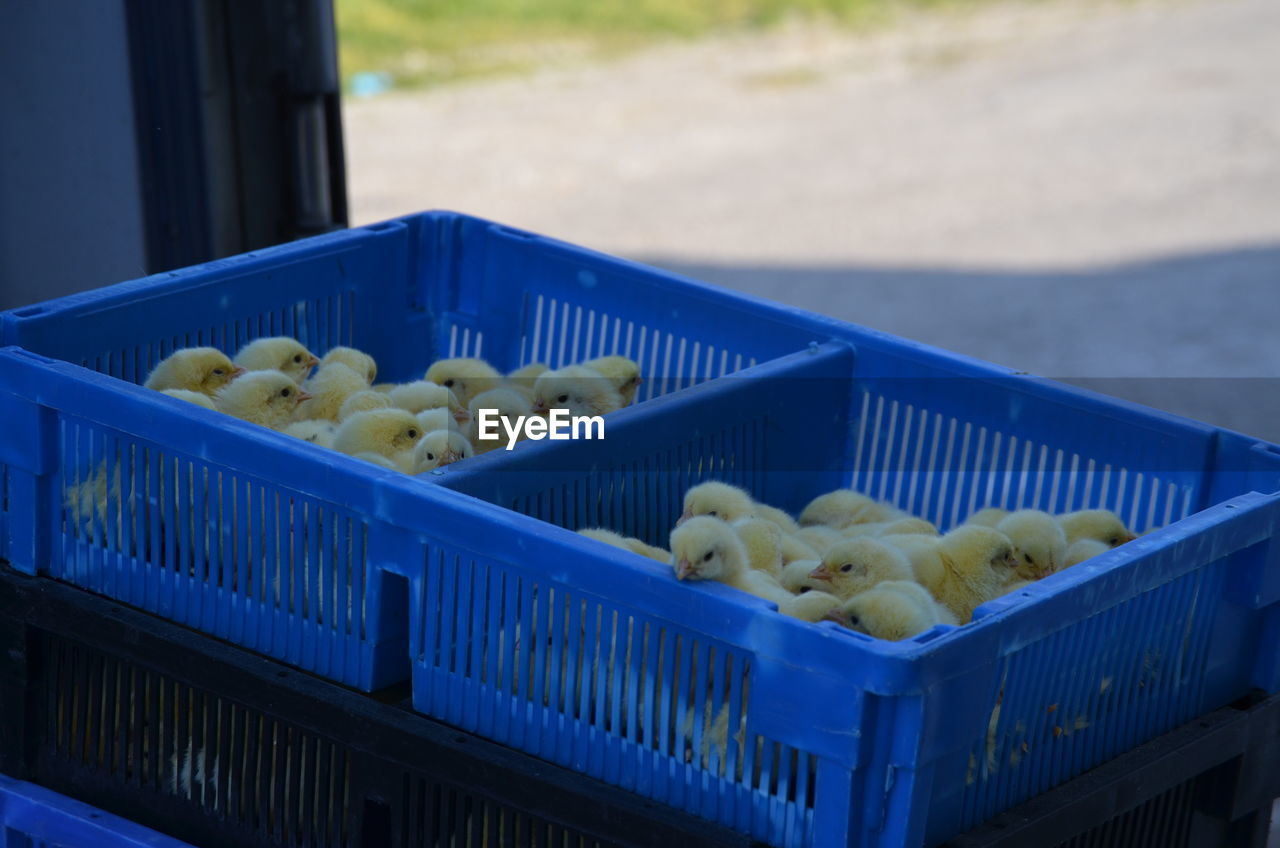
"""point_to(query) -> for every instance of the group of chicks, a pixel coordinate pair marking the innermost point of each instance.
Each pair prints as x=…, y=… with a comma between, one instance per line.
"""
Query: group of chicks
x=411, y=427
x=866, y=564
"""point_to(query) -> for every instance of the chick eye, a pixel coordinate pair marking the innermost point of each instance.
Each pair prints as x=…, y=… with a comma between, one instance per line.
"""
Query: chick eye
x=413, y=434
x=847, y=567
x=1113, y=541
x=218, y=372
x=562, y=398
x=298, y=358
x=285, y=392
x=712, y=513
x=431, y=457
x=448, y=384
x=854, y=620
x=803, y=589
x=1028, y=558
x=707, y=558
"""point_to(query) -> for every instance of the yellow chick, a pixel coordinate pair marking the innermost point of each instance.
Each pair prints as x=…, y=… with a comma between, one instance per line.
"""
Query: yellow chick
x=857, y=565
x=522, y=379
x=893, y=611
x=466, y=377
x=386, y=432
x=195, y=369
x=377, y=459
x=510, y=404
x=357, y=360
x=437, y=419
x=843, y=507
x=385, y=388
x=706, y=548
x=909, y=527
x=1083, y=549
x=1039, y=545
x=819, y=537
x=580, y=390
x=422, y=395
x=190, y=397
x=626, y=543
x=988, y=516
x=811, y=606
x=267, y=398
x=316, y=432
x=1098, y=524
x=763, y=542
x=729, y=503
x=277, y=353
x=622, y=372
x=329, y=388
x=362, y=401
x=440, y=447
x=796, y=580
x=963, y=569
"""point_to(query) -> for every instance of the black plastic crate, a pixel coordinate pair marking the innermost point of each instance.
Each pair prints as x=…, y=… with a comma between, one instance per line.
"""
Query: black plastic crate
x=218, y=747
x=1208, y=784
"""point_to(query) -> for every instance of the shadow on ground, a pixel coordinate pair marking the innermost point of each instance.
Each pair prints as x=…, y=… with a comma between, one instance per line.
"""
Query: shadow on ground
x=1198, y=335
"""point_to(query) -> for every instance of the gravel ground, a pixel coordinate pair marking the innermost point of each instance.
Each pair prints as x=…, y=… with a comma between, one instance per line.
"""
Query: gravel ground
x=1084, y=189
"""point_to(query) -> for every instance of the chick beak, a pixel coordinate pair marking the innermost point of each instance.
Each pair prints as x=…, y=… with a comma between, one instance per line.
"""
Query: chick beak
x=237, y=371
x=304, y=396
x=684, y=516
x=312, y=361
x=449, y=457
x=820, y=573
x=684, y=569
x=462, y=416
x=540, y=407
x=837, y=616
x=1129, y=537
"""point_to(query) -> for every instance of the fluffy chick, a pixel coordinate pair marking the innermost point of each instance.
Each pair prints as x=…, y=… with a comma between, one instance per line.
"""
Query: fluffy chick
x=362, y=401
x=357, y=360
x=819, y=537
x=796, y=577
x=963, y=569
x=893, y=611
x=763, y=542
x=857, y=565
x=1039, y=545
x=317, y=432
x=988, y=516
x=267, y=398
x=385, y=432
x=910, y=527
x=511, y=406
x=190, y=397
x=1083, y=549
x=195, y=369
x=329, y=388
x=705, y=548
x=277, y=353
x=729, y=503
x=580, y=390
x=843, y=507
x=422, y=395
x=622, y=372
x=377, y=459
x=438, y=448
x=626, y=543
x=1098, y=524
x=522, y=379
x=466, y=377
x=811, y=606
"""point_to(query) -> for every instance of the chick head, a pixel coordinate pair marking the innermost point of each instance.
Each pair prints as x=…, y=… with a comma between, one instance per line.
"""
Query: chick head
x=422, y=395
x=811, y=606
x=887, y=614
x=581, y=390
x=1102, y=525
x=1039, y=544
x=440, y=447
x=197, y=369
x=796, y=580
x=858, y=564
x=705, y=548
x=267, y=398
x=509, y=403
x=362, y=401
x=357, y=360
x=717, y=500
x=624, y=373
x=190, y=397
x=841, y=508
x=385, y=432
x=277, y=353
x=973, y=548
x=466, y=377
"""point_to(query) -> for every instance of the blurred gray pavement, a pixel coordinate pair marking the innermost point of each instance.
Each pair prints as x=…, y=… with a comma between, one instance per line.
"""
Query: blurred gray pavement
x=1083, y=189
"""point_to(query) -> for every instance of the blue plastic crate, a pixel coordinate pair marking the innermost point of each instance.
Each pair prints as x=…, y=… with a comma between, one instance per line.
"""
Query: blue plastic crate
x=408, y=291
x=34, y=817
x=596, y=659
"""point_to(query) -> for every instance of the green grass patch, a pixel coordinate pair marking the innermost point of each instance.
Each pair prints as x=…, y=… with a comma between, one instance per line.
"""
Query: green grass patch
x=423, y=42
